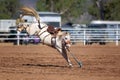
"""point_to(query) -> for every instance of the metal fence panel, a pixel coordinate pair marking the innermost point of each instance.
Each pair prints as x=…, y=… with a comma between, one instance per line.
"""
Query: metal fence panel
x=81, y=35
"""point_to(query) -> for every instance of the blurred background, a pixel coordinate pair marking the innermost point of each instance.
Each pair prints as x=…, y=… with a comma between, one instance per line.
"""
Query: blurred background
x=88, y=21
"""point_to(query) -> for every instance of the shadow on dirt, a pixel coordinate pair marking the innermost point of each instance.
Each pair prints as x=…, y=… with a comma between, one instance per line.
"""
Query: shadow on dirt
x=45, y=65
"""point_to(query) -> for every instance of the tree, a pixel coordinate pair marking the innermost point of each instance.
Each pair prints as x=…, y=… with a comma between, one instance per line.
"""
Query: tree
x=110, y=9
x=69, y=9
x=94, y=9
x=8, y=8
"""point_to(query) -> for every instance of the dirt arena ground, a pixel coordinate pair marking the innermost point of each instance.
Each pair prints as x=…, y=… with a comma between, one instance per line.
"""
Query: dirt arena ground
x=40, y=62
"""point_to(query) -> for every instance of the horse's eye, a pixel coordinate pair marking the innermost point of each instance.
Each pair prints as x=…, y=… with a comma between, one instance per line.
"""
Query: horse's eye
x=65, y=38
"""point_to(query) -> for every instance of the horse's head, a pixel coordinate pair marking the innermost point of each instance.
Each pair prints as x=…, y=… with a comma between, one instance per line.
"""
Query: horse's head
x=65, y=37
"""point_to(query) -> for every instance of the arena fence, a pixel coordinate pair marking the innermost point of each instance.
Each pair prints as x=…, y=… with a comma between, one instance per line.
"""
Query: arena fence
x=86, y=36
x=89, y=36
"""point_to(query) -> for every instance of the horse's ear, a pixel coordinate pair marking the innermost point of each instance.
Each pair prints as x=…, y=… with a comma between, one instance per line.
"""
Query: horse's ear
x=60, y=33
x=67, y=33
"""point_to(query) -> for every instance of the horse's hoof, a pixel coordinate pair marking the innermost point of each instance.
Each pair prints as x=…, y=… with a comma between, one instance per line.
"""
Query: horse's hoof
x=70, y=65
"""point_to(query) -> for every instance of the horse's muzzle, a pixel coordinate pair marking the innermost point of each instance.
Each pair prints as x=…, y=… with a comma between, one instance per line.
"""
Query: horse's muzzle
x=68, y=43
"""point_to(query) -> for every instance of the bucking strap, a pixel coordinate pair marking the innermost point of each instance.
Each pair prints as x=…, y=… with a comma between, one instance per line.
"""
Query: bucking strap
x=53, y=41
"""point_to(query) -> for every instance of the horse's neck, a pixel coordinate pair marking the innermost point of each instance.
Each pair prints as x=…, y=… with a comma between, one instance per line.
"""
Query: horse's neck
x=58, y=40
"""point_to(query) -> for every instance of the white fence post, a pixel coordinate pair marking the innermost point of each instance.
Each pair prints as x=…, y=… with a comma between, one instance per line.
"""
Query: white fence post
x=84, y=37
x=18, y=38
x=117, y=36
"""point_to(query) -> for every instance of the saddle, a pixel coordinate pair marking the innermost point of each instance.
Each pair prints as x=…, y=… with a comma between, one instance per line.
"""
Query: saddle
x=52, y=30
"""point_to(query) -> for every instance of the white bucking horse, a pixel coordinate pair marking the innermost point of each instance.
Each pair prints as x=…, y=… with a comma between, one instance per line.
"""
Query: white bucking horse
x=59, y=42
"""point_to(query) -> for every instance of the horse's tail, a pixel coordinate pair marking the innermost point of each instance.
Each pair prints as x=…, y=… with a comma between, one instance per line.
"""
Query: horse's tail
x=31, y=11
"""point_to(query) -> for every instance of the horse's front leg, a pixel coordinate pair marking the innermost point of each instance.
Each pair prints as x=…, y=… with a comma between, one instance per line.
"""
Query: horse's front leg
x=64, y=54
